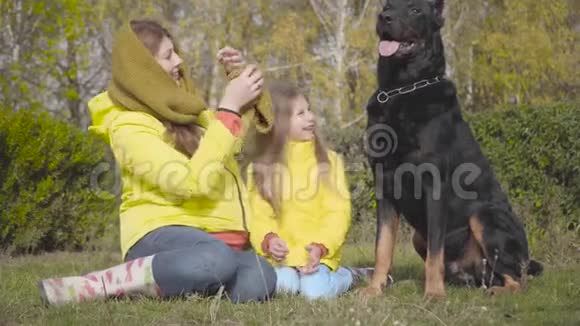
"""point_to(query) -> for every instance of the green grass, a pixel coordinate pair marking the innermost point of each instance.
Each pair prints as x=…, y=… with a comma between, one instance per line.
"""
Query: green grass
x=552, y=299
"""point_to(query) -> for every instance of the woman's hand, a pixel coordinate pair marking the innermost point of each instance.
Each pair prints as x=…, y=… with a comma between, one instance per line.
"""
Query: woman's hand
x=277, y=249
x=315, y=253
x=230, y=58
x=242, y=90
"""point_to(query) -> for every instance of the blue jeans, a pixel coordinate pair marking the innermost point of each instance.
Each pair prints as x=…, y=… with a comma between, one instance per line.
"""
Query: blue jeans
x=324, y=284
x=187, y=260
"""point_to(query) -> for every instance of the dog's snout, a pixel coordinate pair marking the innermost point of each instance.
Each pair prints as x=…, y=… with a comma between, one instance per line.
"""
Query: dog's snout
x=386, y=17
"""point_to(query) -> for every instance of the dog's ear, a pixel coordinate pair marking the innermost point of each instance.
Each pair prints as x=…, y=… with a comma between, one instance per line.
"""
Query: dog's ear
x=439, y=6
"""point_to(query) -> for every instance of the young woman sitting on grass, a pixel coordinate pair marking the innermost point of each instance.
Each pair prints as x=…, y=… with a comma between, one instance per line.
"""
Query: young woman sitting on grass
x=184, y=209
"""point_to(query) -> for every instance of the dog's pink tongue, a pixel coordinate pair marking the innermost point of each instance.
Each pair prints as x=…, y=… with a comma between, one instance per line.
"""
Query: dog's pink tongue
x=388, y=48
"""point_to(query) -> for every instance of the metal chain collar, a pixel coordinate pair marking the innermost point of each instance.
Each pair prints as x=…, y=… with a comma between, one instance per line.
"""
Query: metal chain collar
x=383, y=97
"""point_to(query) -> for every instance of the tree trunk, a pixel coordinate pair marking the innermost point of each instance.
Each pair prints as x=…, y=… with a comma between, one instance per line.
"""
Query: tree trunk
x=71, y=85
x=339, y=57
x=469, y=87
x=213, y=90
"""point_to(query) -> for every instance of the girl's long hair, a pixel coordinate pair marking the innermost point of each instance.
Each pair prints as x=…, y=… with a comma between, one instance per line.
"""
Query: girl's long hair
x=269, y=149
x=185, y=137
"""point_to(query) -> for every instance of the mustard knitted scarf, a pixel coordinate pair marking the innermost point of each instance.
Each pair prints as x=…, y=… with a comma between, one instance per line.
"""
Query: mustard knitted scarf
x=140, y=84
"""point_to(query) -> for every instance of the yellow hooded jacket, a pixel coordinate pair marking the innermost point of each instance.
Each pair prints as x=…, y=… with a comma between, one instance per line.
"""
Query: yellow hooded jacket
x=161, y=186
x=311, y=211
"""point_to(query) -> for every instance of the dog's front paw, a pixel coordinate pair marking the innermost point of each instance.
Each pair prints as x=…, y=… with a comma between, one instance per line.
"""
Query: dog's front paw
x=434, y=286
x=369, y=292
x=435, y=290
x=434, y=295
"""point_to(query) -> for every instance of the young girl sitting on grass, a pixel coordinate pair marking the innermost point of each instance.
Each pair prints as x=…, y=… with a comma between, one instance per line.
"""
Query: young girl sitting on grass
x=300, y=202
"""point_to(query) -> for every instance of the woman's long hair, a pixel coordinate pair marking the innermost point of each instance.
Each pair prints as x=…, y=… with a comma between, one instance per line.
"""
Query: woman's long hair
x=268, y=154
x=185, y=137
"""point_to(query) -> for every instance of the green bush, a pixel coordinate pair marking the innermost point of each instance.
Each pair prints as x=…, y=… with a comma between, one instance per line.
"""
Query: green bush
x=351, y=145
x=46, y=195
x=534, y=151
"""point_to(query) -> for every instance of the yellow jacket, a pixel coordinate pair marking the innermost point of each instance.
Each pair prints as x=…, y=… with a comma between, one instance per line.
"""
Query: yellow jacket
x=309, y=214
x=161, y=186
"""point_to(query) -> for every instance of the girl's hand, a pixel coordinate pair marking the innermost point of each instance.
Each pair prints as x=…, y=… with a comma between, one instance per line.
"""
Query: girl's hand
x=230, y=58
x=277, y=249
x=315, y=253
x=242, y=90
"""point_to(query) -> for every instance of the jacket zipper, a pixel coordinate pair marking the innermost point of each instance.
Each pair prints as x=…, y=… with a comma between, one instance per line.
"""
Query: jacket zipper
x=245, y=226
x=240, y=199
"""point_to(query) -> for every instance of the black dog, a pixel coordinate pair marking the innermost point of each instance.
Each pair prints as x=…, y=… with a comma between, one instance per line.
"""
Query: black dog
x=428, y=166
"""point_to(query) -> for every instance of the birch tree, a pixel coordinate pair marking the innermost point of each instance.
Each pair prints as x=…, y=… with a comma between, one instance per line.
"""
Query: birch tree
x=348, y=38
